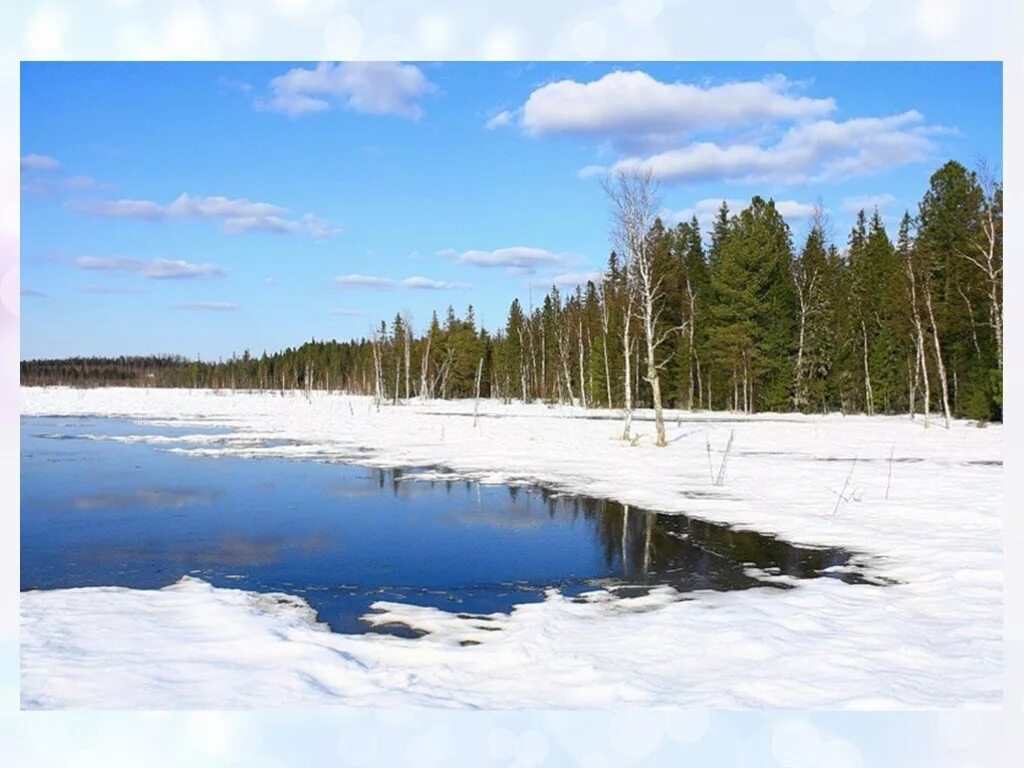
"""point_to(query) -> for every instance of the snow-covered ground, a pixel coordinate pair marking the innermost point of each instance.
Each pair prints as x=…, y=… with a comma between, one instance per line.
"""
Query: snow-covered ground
x=931, y=639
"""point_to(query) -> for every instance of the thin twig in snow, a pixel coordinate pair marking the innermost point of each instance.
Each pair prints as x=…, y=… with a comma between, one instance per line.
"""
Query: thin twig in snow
x=721, y=469
x=889, y=481
x=842, y=494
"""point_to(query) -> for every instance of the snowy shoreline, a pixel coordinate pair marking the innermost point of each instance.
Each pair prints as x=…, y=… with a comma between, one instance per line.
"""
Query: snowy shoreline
x=934, y=639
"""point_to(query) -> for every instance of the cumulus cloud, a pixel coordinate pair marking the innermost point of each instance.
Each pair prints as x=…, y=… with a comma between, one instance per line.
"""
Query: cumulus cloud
x=40, y=163
x=362, y=281
x=752, y=131
x=500, y=120
x=428, y=284
x=572, y=279
x=236, y=215
x=157, y=269
x=215, y=306
x=102, y=289
x=121, y=209
x=823, y=150
x=637, y=107
x=791, y=209
x=590, y=171
x=367, y=282
x=521, y=260
x=43, y=175
x=867, y=202
x=373, y=87
x=705, y=210
x=319, y=229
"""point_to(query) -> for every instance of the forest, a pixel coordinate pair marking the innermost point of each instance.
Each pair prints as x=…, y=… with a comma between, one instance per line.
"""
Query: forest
x=740, y=318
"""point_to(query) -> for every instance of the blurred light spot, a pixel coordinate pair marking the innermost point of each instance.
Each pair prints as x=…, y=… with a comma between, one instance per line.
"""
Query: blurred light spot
x=501, y=44
x=428, y=747
x=686, y=726
x=635, y=733
x=379, y=17
x=343, y=36
x=238, y=28
x=360, y=746
x=796, y=744
x=532, y=748
x=594, y=760
x=787, y=49
x=839, y=37
x=640, y=10
x=501, y=742
x=959, y=728
x=209, y=733
x=434, y=32
x=588, y=40
x=837, y=753
x=44, y=33
x=292, y=7
x=938, y=18
x=187, y=32
x=850, y=7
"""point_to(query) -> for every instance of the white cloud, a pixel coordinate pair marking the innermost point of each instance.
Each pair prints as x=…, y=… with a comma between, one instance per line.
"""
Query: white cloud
x=121, y=209
x=356, y=281
x=752, y=131
x=373, y=87
x=867, y=202
x=81, y=181
x=216, y=306
x=427, y=284
x=791, y=209
x=500, y=120
x=217, y=207
x=346, y=312
x=705, y=210
x=590, y=171
x=572, y=279
x=362, y=281
x=517, y=259
x=636, y=106
x=319, y=229
x=44, y=175
x=111, y=289
x=236, y=215
x=823, y=150
x=238, y=224
x=157, y=269
x=40, y=162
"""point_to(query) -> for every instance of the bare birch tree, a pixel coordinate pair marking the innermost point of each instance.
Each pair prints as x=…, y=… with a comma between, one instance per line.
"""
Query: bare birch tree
x=807, y=277
x=988, y=253
x=426, y=390
x=604, y=340
x=915, y=317
x=635, y=200
x=407, y=322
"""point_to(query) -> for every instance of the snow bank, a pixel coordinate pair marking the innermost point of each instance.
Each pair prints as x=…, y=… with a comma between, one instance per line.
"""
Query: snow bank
x=929, y=519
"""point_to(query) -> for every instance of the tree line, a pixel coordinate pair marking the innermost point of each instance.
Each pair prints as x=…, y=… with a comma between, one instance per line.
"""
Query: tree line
x=739, y=318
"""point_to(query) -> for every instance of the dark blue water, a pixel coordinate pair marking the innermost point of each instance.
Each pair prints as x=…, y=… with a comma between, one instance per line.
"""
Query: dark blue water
x=102, y=512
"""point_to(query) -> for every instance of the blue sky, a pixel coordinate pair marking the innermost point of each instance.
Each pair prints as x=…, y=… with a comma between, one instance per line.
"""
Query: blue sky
x=203, y=209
